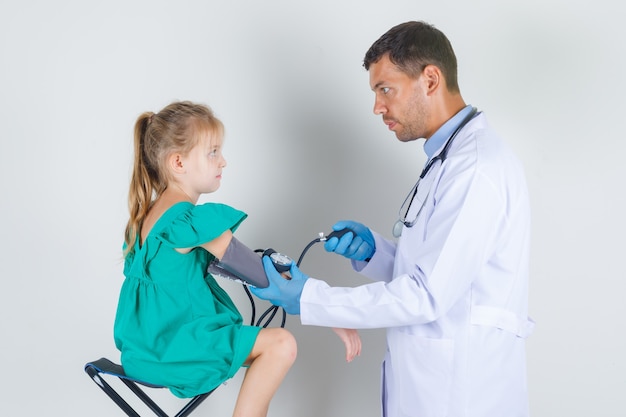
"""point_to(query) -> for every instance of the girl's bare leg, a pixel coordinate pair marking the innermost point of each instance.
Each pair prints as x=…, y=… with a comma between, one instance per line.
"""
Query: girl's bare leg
x=272, y=355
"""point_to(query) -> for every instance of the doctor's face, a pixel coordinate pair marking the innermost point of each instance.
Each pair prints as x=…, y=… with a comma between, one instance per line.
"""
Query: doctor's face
x=400, y=100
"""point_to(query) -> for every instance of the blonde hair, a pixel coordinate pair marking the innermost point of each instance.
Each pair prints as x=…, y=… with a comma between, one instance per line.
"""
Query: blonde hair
x=177, y=128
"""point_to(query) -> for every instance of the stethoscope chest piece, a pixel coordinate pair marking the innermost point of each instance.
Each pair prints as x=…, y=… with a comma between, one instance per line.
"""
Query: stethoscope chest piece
x=397, y=229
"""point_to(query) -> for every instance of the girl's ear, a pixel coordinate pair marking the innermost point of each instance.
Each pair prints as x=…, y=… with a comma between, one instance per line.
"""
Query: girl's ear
x=175, y=163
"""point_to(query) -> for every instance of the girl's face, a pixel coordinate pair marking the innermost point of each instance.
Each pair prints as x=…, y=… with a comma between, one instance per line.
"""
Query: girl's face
x=204, y=165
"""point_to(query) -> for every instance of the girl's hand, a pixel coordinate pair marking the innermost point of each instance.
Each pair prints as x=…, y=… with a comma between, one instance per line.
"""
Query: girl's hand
x=351, y=340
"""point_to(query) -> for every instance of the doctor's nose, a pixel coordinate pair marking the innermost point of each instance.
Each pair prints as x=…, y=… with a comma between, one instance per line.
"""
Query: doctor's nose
x=379, y=108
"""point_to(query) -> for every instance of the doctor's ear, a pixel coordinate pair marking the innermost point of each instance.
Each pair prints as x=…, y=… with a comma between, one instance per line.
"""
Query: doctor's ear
x=433, y=78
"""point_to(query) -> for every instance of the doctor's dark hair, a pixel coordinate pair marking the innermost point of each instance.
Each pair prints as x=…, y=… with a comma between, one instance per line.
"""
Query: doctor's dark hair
x=414, y=45
x=176, y=129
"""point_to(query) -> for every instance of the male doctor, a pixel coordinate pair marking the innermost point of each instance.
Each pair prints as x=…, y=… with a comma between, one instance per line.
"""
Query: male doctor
x=452, y=290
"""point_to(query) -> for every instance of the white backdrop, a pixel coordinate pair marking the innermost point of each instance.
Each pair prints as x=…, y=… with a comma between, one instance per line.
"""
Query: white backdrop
x=304, y=150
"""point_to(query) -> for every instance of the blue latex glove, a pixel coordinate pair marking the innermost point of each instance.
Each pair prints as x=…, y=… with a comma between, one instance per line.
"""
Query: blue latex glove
x=358, y=245
x=282, y=292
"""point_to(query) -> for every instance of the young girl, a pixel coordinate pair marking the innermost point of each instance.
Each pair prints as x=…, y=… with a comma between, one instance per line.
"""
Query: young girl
x=175, y=326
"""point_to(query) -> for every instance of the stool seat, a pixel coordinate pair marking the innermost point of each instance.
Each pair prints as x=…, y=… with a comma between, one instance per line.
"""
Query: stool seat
x=103, y=366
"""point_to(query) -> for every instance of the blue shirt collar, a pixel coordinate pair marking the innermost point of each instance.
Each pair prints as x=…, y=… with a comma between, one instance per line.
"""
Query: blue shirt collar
x=439, y=138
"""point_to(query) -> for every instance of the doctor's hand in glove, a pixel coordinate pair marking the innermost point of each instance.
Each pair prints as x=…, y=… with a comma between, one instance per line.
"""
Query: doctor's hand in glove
x=285, y=293
x=282, y=292
x=358, y=245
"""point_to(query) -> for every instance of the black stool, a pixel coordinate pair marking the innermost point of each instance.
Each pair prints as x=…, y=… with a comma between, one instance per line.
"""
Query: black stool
x=103, y=366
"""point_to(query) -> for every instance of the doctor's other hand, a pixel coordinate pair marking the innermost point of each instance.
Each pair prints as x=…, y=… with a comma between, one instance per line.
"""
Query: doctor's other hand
x=351, y=340
x=282, y=292
x=358, y=245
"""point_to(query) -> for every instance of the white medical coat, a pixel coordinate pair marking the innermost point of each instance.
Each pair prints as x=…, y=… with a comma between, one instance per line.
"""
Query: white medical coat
x=452, y=292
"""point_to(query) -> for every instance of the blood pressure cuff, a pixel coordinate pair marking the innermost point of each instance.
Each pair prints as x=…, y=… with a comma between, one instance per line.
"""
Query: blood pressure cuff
x=241, y=264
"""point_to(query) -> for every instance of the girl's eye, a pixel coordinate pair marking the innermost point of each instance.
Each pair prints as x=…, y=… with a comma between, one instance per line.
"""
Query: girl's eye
x=213, y=153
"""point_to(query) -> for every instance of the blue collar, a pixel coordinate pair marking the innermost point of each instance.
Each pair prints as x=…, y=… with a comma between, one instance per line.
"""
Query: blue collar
x=439, y=138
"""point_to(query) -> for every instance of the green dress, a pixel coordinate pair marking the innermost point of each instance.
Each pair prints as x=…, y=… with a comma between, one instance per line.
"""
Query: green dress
x=175, y=326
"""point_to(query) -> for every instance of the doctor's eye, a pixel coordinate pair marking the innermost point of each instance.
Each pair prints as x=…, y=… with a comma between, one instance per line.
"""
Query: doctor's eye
x=385, y=90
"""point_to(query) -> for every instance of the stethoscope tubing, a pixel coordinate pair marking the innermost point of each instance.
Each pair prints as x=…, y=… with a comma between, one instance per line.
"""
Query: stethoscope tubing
x=441, y=156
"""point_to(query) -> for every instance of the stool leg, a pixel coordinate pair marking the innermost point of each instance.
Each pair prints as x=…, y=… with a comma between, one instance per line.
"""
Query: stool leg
x=144, y=397
x=111, y=393
x=97, y=369
x=191, y=405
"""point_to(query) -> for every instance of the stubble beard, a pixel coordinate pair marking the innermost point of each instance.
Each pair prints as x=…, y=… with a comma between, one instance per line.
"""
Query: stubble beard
x=415, y=117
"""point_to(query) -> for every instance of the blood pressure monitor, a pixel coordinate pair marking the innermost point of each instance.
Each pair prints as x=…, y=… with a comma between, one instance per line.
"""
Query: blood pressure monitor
x=281, y=262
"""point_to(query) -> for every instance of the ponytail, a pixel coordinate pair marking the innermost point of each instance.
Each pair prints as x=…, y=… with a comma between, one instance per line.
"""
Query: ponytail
x=142, y=183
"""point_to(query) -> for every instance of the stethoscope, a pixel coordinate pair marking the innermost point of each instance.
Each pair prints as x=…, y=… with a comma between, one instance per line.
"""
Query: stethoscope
x=441, y=156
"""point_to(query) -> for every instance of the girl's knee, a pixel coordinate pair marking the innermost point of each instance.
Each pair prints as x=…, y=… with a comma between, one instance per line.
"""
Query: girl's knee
x=277, y=343
x=285, y=344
